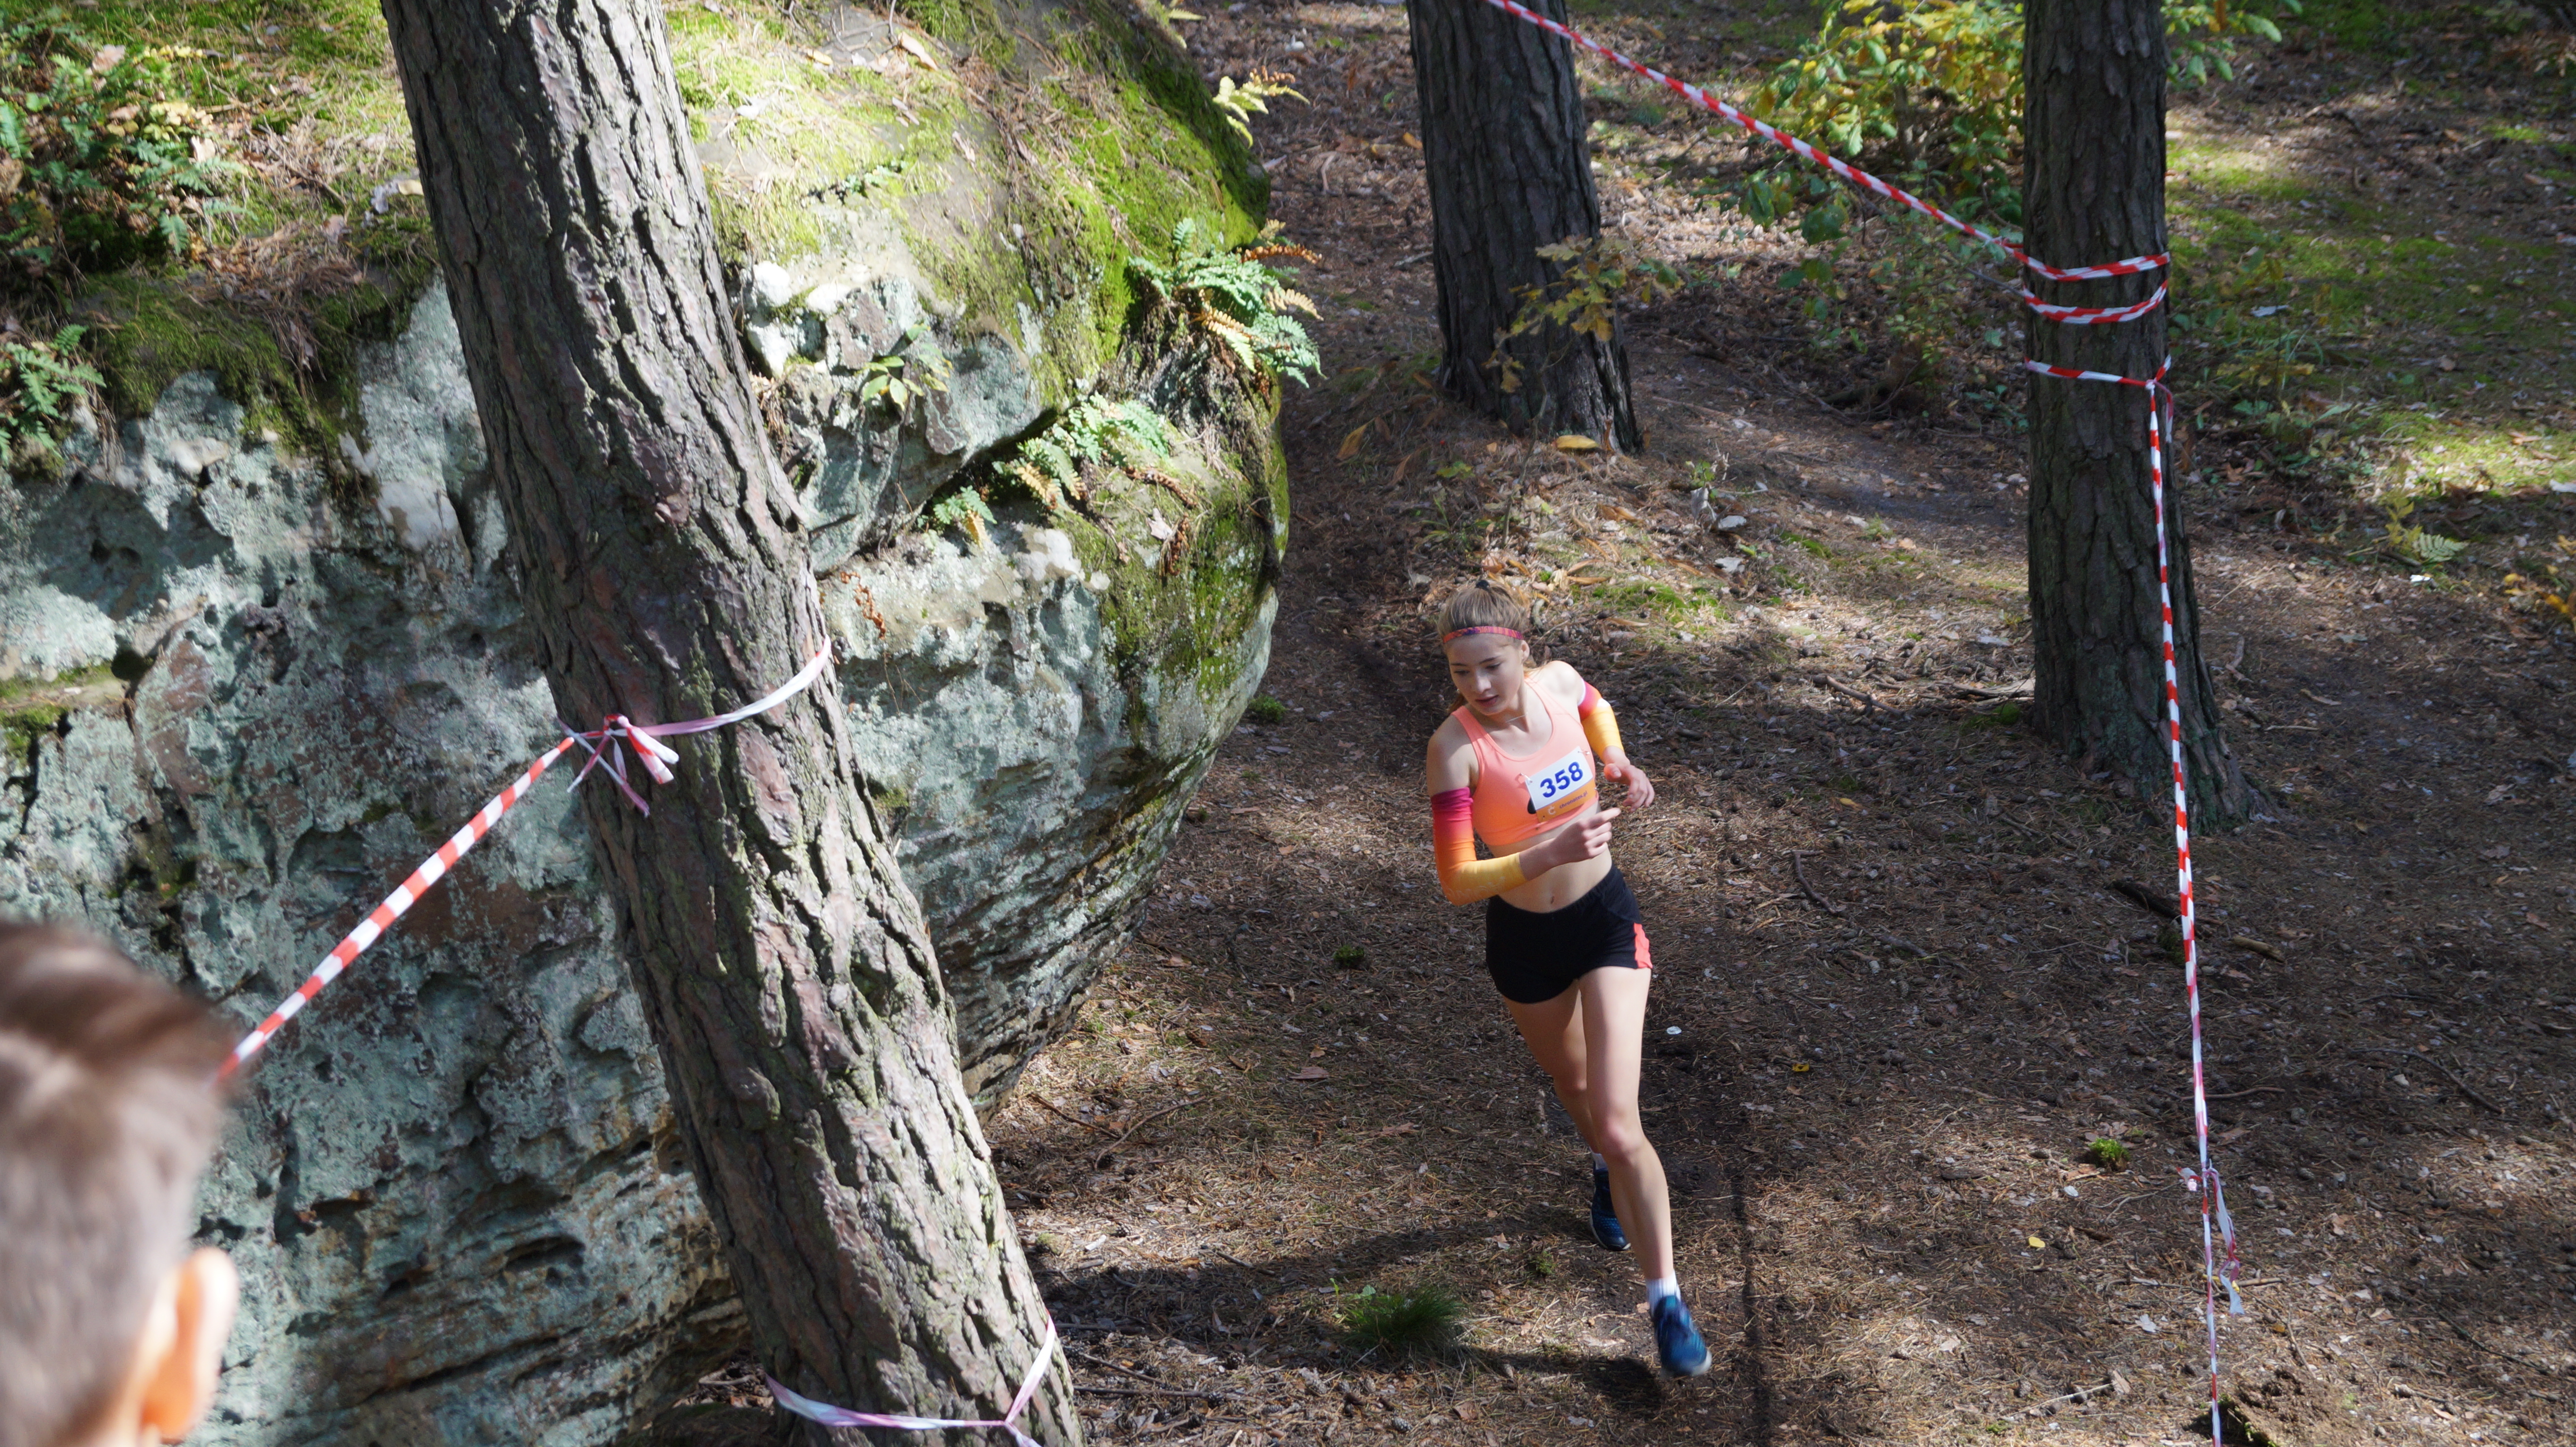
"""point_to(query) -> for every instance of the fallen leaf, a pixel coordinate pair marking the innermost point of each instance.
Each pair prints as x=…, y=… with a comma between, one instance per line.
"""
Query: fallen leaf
x=1350, y=447
x=919, y=51
x=2230, y=1136
x=2037, y=1244
x=1311, y=1072
x=1576, y=442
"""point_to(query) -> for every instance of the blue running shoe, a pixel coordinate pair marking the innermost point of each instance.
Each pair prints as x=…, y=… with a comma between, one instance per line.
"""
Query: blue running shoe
x=1677, y=1340
x=1605, y=1216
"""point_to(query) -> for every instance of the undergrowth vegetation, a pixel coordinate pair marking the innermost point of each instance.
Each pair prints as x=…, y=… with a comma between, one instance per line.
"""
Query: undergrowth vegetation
x=98, y=166
x=1929, y=93
x=1236, y=300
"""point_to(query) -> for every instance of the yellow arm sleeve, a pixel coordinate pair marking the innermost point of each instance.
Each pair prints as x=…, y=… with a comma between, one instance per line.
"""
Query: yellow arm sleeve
x=1463, y=877
x=1600, y=725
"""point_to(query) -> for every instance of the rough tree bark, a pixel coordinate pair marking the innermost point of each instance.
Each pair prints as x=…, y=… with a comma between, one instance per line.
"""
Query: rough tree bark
x=2094, y=74
x=783, y=964
x=1509, y=169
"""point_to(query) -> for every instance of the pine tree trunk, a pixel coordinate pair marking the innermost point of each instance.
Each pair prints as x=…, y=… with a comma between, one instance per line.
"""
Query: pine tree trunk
x=2095, y=77
x=1509, y=170
x=783, y=964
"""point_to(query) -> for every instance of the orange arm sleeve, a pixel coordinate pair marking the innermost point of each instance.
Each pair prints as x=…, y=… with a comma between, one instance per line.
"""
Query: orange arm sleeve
x=1463, y=877
x=1600, y=725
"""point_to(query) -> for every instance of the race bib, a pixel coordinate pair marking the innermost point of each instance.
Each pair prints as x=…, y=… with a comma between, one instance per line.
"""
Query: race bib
x=1560, y=782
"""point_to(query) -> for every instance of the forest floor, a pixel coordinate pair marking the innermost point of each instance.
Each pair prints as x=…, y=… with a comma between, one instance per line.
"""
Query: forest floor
x=1898, y=994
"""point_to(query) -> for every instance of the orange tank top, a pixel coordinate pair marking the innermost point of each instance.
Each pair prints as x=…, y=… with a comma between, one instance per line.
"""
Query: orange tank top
x=1516, y=798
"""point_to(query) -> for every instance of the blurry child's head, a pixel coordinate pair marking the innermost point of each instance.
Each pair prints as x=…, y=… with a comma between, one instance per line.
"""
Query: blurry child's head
x=111, y=1330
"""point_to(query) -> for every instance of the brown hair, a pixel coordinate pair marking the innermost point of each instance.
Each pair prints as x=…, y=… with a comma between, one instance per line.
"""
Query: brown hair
x=106, y=1118
x=1482, y=605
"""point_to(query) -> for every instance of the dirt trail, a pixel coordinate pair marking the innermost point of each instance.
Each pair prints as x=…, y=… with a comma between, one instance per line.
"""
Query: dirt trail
x=1898, y=993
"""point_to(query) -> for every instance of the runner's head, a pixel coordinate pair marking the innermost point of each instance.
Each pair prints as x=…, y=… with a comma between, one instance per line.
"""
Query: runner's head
x=109, y=1327
x=1484, y=632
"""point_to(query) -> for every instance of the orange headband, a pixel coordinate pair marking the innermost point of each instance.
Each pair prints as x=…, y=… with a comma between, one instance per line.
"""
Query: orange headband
x=1463, y=632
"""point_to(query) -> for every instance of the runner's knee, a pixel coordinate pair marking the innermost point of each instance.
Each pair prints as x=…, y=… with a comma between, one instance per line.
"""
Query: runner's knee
x=1622, y=1137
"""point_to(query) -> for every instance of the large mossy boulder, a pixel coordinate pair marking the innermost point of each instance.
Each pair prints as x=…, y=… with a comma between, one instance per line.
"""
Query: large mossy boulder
x=260, y=650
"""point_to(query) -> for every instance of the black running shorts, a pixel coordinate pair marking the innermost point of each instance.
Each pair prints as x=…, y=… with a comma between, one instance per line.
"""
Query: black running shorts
x=1536, y=957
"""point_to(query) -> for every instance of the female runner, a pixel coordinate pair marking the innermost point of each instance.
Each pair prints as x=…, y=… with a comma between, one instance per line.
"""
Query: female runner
x=1519, y=765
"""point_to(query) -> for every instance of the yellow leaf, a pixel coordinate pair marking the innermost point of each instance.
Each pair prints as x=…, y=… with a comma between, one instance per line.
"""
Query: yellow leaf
x=1185, y=15
x=2038, y=1245
x=1576, y=442
x=1351, y=445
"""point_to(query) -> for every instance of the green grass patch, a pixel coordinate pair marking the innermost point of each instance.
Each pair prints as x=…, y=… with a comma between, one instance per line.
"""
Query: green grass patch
x=1420, y=1322
x=2415, y=350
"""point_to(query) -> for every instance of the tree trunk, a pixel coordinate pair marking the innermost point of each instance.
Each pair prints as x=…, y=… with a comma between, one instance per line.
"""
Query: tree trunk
x=782, y=962
x=2095, y=77
x=1509, y=170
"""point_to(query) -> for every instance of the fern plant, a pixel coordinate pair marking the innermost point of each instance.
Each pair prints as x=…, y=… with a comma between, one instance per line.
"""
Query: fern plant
x=1236, y=299
x=2410, y=543
x=37, y=379
x=1238, y=102
x=964, y=508
x=1093, y=431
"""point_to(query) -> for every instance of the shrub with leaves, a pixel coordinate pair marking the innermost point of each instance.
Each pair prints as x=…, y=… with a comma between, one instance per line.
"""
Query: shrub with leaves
x=1596, y=275
x=1093, y=432
x=95, y=170
x=1928, y=93
x=1236, y=299
x=904, y=375
x=39, y=378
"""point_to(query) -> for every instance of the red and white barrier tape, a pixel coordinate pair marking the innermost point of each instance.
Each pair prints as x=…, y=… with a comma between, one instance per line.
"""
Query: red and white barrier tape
x=2219, y=1256
x=1867, y=182
x=831, y=1416
x=656, y=757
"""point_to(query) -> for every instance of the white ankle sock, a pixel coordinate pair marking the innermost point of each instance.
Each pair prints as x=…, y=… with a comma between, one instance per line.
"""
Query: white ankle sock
x=1599, y=1164
x=1661, y=1287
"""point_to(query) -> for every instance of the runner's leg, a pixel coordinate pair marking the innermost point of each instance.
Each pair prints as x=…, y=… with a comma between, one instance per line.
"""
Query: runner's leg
x=1612, y=1017
x=1554, y=1033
